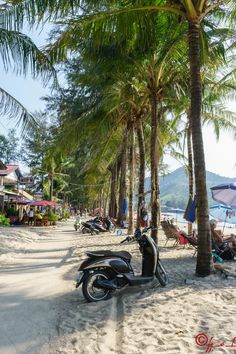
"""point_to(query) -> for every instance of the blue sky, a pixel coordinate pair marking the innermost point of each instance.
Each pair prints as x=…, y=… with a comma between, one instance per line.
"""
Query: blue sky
x=219, y=156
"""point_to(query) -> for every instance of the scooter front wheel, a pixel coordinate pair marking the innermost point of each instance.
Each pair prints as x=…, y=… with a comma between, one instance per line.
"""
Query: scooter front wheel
x=90, y=291
x=161, y=274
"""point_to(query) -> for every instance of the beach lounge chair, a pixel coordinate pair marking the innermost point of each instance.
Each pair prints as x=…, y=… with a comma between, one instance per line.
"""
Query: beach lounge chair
x=170, y=232
x=178, y=234
x=192, y=240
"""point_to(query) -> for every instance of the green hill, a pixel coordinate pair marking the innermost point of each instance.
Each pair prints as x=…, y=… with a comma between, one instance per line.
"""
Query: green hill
x=174, y=187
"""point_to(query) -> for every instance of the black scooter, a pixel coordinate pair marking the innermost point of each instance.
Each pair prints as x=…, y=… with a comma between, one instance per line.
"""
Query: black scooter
x=87, y=227
x=105, y=271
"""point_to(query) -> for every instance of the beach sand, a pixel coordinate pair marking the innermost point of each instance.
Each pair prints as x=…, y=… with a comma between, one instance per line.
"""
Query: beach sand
x=152, y=319
x=140, y=320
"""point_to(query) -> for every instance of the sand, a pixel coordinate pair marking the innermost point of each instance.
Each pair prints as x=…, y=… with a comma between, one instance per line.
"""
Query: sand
x=136, y=320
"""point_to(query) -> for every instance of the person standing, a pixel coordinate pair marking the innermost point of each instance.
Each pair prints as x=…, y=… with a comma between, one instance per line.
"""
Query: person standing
x=31, y=216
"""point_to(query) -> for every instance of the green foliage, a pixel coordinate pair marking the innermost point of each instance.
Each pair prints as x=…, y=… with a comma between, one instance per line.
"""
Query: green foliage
x=11, y=211
x=65, y=214
x=4, y=221
x=52, y=216
x=8, y=148
x=35, y=145
x=19, y=53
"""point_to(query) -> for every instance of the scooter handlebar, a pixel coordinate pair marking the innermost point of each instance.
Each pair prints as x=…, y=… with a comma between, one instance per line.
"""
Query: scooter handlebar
x=127, y=239
x=147, y=229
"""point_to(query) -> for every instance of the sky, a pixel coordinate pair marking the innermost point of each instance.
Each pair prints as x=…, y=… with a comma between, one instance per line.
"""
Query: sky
x=219, y=156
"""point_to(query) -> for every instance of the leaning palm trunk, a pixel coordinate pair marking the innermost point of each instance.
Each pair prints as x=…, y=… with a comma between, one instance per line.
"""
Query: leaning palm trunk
x=123, y=168
x=131, y=179
x=190, y=169
x=155, y=206
x=141, y=144
x=203, y=267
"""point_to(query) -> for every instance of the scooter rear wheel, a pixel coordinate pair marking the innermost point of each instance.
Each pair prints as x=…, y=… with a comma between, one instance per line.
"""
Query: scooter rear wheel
x=161, y=274
x=91, y=293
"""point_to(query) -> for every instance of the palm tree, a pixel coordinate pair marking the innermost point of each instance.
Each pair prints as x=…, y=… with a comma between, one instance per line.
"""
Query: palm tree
x=20, y=53
x=193, y=13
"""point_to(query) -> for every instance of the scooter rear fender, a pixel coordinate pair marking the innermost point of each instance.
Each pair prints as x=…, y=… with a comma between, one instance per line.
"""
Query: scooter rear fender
x=115, y=263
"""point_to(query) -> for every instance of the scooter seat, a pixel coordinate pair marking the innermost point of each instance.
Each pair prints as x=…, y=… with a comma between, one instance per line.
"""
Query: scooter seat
x=122, y=254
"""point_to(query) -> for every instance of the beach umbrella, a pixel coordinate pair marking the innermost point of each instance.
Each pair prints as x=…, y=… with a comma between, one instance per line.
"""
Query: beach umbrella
x=43, y=203
x=124, y=207
x=223, y=213
x=190, y=212
x=98, y=210
x=177, y=210
x=225, y=193
x=20, y=202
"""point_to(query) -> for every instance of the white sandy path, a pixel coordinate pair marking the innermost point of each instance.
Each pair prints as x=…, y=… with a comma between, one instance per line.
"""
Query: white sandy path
x=151, y=319
x=41, y=313
x=32, y=289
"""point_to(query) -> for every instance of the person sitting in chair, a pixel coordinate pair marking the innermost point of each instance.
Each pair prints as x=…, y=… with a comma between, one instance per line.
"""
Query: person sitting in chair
x=218, y=237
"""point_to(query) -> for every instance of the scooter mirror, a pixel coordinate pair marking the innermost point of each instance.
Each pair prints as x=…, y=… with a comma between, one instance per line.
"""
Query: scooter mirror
x=138, y=233
x=145, y=218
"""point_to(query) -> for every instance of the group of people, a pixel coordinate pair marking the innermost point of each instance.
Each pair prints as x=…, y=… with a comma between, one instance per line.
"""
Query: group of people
x=78, y=212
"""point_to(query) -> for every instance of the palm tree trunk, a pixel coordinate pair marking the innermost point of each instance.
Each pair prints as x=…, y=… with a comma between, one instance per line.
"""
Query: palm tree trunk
x=100, y=199
x=131, y=179
x=190, y=168
x=141, y=144
x=203, y=267
x=155, y=206
x=51, y=187
x=123, y=168
x=112, y=206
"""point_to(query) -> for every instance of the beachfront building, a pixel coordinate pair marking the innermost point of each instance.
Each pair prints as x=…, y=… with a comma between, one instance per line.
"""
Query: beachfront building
x=9, y=184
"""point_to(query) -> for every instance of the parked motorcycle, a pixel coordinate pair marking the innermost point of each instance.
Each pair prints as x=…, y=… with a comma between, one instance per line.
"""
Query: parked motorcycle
x=109, y=224
x=88, y=227
x=98, y=225
x=105, y=271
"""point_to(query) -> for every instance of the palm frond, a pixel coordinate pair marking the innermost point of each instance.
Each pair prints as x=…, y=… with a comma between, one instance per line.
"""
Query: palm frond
x=18, y=52
x=16, y=12
x=12, y=108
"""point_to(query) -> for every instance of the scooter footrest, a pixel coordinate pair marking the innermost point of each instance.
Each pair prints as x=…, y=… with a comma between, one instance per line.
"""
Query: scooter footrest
x=135, y=280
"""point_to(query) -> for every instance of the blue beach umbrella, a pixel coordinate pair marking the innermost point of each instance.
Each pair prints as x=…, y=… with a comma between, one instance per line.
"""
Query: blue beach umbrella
x=124, y=207
x=177, y=210
x=190, y=212
x=223, y=213
x=225, y=193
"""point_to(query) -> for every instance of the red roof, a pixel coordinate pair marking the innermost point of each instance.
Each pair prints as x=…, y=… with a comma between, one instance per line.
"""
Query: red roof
x=25, y=194
x=9, y=169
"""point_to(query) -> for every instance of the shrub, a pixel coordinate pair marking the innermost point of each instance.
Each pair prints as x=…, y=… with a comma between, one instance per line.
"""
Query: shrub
x=65, y=214
x=4, y=221
x=52, y=216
